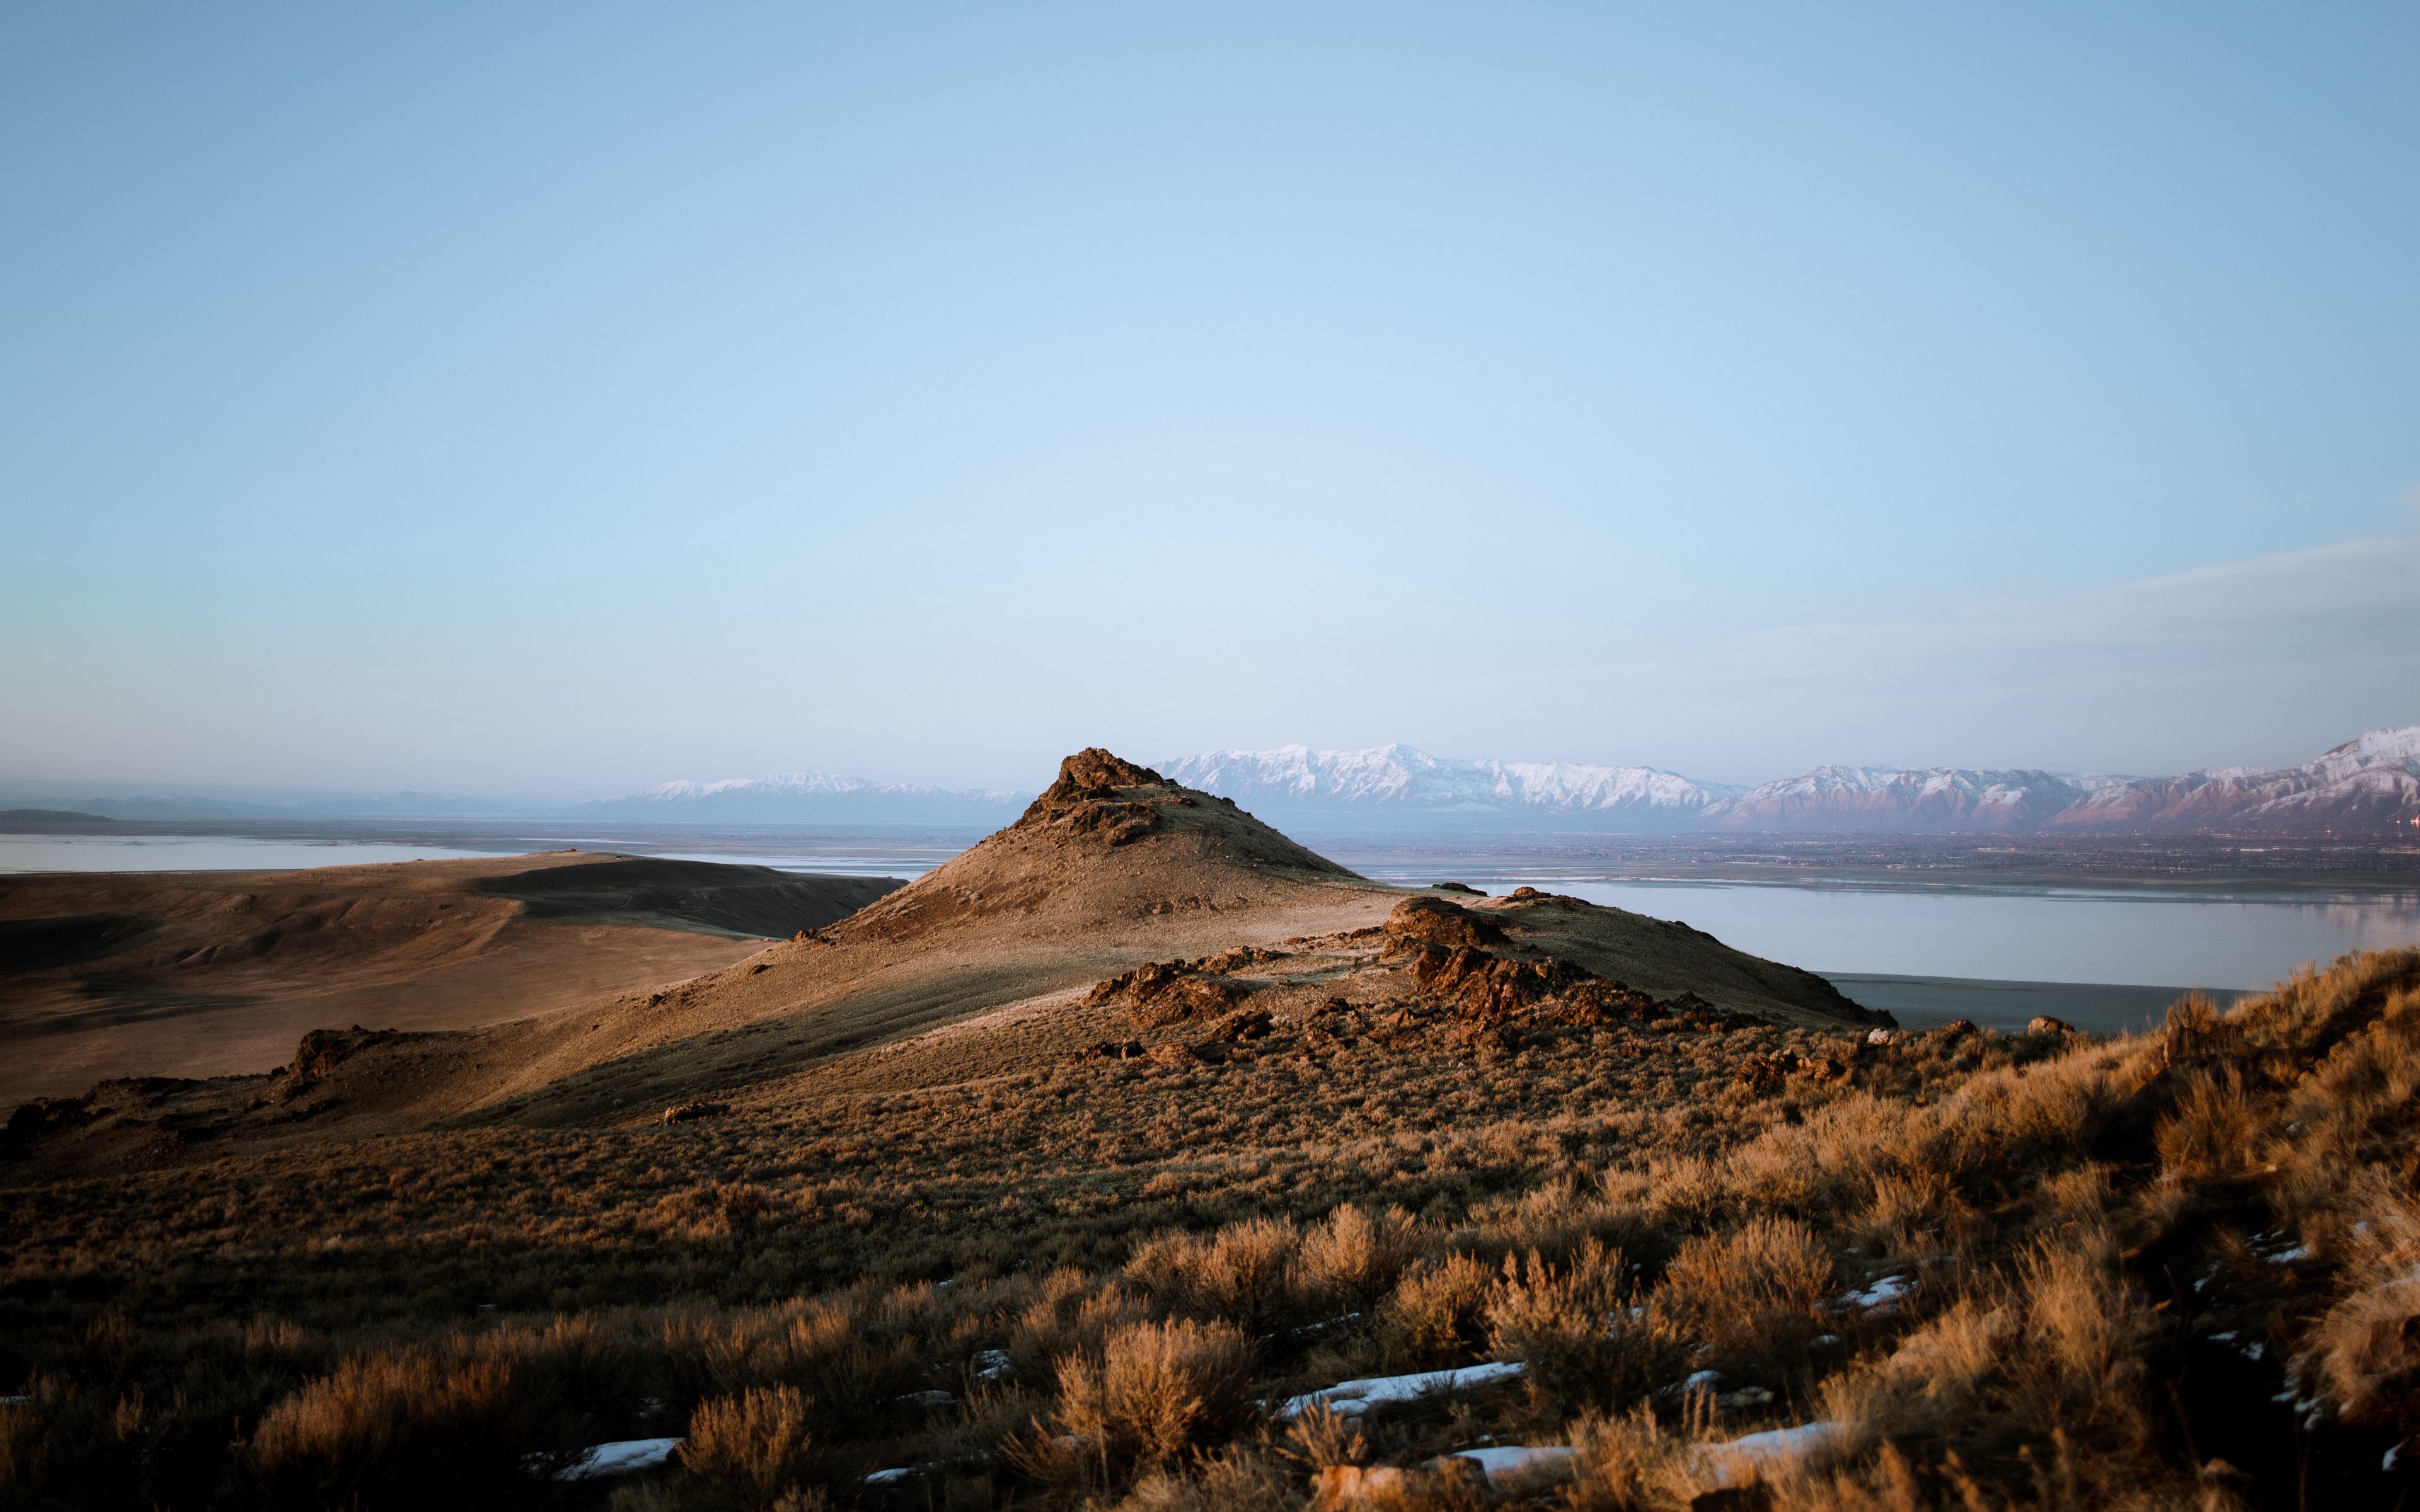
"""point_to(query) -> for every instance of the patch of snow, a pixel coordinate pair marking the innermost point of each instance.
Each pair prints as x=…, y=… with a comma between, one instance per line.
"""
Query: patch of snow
x=2300, y=1252
x=1883, y=1296
x=1744, y=1457
x=1511, y=1461
x=2394, y=1452
x=1351, y=1399
x=625, y=1457
x=893, y=1476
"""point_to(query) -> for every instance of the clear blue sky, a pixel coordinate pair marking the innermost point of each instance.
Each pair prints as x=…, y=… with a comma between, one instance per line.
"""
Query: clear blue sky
x=554, y=400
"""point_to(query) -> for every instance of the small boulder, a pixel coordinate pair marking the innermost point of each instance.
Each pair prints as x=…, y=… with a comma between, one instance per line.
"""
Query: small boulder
x=1435, y=922
x=2044, y=1023
x=692, y=1112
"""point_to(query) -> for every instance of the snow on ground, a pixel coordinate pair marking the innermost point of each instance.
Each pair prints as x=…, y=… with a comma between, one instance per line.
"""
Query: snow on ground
x=622, y=1458
x=1511, y=1461
x=1351, y=1399
x=1883, y=1296
x=1746, y=1456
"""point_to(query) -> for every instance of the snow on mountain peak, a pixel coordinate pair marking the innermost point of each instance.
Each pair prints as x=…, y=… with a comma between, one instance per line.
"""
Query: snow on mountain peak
x=1399, y=775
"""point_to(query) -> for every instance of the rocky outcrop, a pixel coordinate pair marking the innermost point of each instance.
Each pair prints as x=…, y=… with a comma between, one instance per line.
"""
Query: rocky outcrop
x=1171, y=992
x=1095, y=795
x=1435, y=922
x=323, y=1050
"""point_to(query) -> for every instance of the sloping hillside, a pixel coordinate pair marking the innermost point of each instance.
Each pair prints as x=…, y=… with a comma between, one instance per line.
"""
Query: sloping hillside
x=206, y=974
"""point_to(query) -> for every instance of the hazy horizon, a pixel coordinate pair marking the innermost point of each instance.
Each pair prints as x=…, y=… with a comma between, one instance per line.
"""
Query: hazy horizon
x=555, y=403
x=39, y=787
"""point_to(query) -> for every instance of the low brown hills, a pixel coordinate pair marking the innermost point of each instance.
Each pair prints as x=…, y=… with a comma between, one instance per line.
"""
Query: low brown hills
x=1005, y=959
x=206, y=974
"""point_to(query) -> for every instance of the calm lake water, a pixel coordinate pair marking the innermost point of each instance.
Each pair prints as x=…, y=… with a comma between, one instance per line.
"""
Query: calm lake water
x=2117, y=937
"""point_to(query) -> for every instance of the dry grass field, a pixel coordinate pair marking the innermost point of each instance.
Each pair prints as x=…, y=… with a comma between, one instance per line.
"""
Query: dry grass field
x=1062, y=1178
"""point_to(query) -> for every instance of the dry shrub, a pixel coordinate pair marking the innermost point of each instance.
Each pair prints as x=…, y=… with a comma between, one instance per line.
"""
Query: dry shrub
x=1157, y=1392
x=2365, y=1349
x=560, y=1373
x=840, y=1351
x=2053, y=1347
x=1888, y=1483
x=715, y=1211
x=275, y=1343
x=1353, y=1258
x=2196, y=1028
x=2212, y=1129
x=25, y=1445
x=755, y=1446
x=1436, y=1315
x=1626, y=1464
x=1243, y=1271
x=1910, y=1214
x=1759, y=1289
x=2083, y=1195
x=1319, y=1437
x=1069, y=1318
x=1237, y=1479
x=393, y=1429
x=1572, y=1326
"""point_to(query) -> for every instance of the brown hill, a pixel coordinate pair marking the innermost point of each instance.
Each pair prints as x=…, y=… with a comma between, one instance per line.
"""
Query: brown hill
x=206, y=974
x=999, y=960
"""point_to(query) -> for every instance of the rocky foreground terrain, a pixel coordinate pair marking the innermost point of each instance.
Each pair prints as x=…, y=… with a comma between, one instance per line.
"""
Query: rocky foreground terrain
x=1142, y=1157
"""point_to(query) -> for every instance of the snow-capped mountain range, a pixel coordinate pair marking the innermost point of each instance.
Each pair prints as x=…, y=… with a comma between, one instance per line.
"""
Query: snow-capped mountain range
x=2371, y=784
x=1413, y=782
x=807, y=797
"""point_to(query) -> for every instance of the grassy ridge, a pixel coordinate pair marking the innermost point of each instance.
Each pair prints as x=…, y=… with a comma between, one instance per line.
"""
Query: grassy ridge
x=2166, y=1271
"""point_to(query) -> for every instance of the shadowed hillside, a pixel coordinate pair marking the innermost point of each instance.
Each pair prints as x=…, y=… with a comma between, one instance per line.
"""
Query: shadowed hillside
x=209, y=973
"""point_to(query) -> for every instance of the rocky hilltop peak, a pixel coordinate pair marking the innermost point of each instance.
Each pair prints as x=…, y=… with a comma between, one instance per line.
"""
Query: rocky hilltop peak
x=1095, y=773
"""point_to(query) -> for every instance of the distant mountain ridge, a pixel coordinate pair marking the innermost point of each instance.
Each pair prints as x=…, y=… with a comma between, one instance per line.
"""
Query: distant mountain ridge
x=1899, y=800
x=1401, y=782
x=808, y=797
x=2369, y=785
